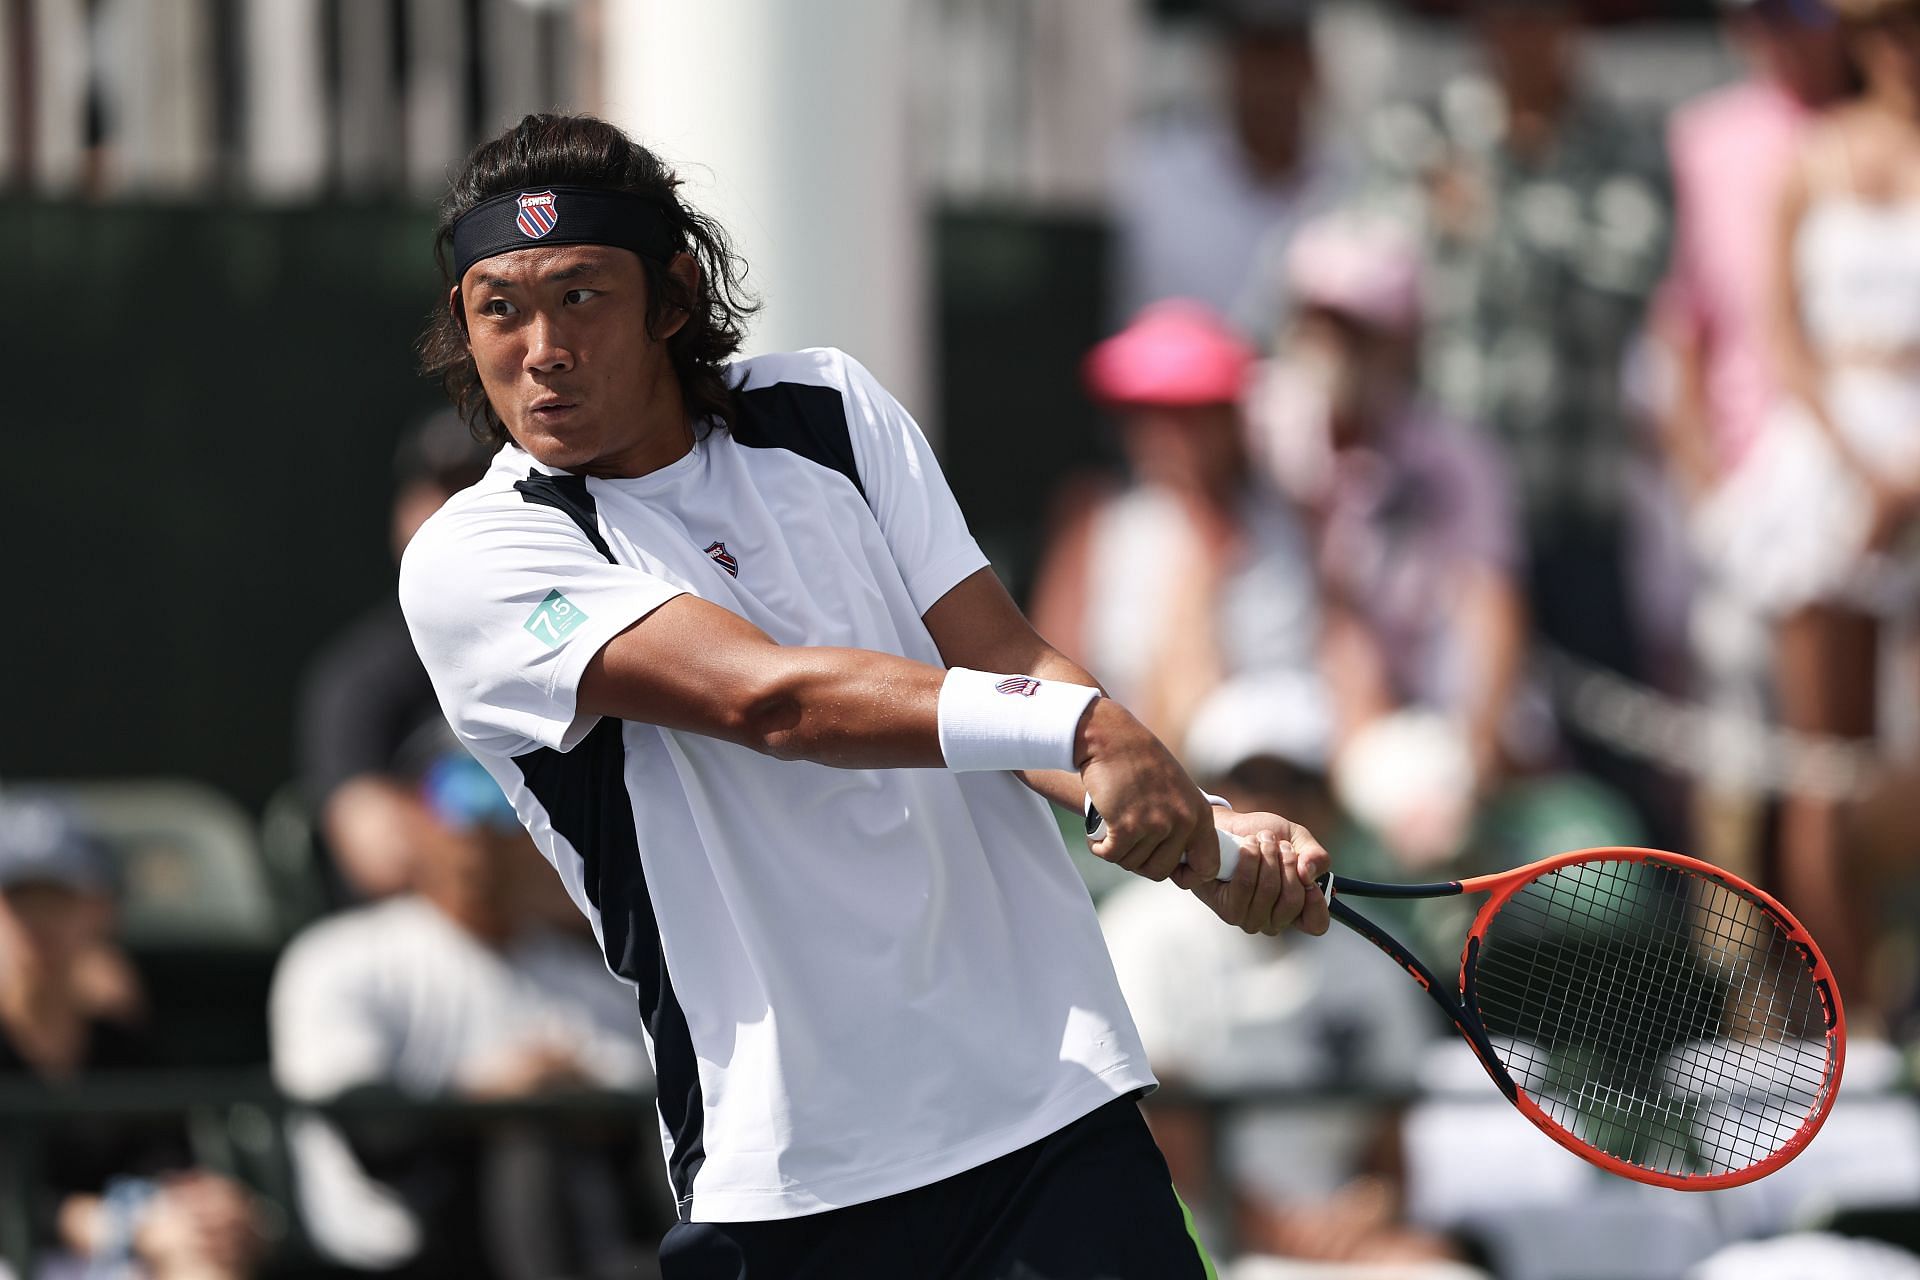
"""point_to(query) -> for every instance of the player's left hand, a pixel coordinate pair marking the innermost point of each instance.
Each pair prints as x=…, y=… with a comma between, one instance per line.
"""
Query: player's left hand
x=1273, y=886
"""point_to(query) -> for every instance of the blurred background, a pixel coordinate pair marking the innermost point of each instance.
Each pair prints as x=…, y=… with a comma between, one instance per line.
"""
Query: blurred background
x=1476, y=428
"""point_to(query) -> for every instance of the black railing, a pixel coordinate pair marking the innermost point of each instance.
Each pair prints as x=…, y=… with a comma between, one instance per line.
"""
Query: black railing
x=236, y=1123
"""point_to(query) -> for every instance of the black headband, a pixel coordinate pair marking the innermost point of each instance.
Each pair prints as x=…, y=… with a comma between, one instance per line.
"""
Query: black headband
x=560, y=215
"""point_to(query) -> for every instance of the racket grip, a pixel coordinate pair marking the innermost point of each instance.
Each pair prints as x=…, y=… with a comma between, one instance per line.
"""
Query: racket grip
x=1230, y=845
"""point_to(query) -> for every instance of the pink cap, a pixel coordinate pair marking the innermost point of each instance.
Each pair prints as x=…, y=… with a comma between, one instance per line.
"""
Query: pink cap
x=1364, y=267
x=1177, y=352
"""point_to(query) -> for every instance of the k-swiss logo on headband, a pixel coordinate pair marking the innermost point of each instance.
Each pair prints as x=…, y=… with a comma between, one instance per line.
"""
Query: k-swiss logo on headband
x=1022, y=686
x=539, y=214
x=724, y=558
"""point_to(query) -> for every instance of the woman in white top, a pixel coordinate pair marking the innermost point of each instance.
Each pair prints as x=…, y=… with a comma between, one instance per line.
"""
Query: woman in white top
x=1832, y=493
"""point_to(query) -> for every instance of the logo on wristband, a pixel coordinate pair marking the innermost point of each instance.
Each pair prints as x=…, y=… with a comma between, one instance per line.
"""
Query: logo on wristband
x=1024, y=686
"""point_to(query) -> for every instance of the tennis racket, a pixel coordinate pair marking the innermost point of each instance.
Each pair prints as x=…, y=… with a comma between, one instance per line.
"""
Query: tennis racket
x=1649, y=1012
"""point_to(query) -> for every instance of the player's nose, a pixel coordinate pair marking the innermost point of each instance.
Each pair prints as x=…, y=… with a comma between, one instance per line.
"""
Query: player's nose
x=547, y=351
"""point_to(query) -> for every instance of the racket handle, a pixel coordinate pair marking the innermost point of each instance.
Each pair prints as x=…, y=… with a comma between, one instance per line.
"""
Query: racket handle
x=1230, y=845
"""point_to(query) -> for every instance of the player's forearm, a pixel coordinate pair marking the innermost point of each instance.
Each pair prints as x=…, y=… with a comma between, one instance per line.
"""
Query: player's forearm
x=698, y=668
x=850, y=708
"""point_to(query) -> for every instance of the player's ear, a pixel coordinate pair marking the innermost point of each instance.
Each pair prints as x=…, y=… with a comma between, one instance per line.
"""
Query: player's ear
x=683, y=276
x=457, y=309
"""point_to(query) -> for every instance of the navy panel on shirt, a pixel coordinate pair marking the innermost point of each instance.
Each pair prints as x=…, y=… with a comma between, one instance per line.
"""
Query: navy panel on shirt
x=810, y=421
x=584, y=792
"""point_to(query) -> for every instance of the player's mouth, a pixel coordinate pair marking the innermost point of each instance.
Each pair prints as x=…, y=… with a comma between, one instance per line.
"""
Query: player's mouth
x=552, y=411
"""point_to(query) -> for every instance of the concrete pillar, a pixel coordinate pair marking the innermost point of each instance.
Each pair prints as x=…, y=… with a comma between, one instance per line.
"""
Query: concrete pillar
x=435, y=93
x=789, y=123
x=12, y=106
x=285, y=114
x=159, y=79
x=514, y=79
x=60, y=56
x=368, y=112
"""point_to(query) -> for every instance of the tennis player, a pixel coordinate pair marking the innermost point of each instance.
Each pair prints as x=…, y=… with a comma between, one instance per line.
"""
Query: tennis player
x=719, y=630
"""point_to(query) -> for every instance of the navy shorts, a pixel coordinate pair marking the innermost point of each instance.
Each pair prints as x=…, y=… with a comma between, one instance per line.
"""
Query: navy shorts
x=1091, y=1202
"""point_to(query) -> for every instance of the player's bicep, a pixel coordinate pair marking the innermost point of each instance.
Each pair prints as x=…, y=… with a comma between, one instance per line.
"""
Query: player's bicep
x=689, y=665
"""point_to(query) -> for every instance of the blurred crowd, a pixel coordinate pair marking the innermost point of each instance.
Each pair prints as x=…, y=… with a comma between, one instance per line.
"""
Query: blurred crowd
x=1433, y=444
x=1438, y=442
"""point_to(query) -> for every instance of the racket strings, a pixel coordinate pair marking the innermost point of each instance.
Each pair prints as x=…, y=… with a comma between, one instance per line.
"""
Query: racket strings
x=1656, y=1014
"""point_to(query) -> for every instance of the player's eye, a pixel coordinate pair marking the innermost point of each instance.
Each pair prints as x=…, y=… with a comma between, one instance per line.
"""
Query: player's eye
x=576, y=296
x=496, y=307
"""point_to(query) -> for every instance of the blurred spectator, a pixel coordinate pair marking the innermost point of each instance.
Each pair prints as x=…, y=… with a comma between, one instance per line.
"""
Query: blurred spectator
x=1416, y=543
x=115, y=1194
x=1220, y=1010
x=1731, y=150
x=460, y=988
x=1548, y=227
x=1417, y=547
x=1199, y=199
x=368, y=717
x=1197, y=572
x=1818, y=527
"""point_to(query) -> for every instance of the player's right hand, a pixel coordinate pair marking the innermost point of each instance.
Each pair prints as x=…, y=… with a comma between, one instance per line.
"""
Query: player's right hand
x=1156, y=815
x=1272, y=886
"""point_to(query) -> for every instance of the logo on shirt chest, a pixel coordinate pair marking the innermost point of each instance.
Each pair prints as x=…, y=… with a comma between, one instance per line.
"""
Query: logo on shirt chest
x=724, y=558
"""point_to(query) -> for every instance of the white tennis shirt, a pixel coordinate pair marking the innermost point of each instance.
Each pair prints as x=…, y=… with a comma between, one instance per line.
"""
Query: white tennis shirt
x=854, y=981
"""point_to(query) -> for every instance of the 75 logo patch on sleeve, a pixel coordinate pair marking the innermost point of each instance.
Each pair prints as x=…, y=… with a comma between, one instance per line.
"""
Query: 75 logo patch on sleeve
x=556, y=618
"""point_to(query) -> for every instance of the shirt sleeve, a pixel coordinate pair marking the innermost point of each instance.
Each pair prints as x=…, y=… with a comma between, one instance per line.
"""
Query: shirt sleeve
x=326, y=1035
x=918, y=516
x=507, y=603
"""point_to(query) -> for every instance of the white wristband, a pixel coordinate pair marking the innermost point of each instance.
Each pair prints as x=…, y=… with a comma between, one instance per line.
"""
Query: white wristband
x=1216, y=801
x=1004, y=722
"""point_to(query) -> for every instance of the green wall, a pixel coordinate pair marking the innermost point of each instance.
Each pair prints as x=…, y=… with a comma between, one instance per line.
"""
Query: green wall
x=201, y=406
x=200, y=409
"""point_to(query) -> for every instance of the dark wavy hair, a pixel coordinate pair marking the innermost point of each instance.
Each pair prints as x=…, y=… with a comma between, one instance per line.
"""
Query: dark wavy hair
x=581, y=151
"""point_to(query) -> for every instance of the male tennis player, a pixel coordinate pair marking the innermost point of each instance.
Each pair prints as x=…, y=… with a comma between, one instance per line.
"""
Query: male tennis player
x=718, y=628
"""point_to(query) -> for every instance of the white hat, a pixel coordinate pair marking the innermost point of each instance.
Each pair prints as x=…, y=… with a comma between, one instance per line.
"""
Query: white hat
x=1284, y=714
x=1365, y=266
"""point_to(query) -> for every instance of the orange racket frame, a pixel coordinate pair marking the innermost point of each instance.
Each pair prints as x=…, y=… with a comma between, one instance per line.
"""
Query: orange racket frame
x=1500, y=888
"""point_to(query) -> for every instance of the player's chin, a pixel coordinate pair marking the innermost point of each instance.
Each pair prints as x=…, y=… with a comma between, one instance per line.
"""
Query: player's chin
x=557, y=443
